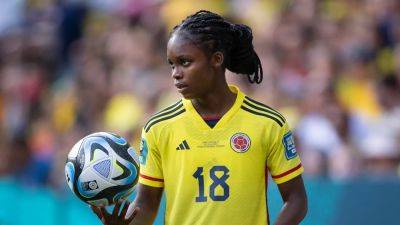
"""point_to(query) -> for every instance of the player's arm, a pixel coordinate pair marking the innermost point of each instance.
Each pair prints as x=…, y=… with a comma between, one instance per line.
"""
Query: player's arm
x=285, y=167
x=142, y=212
x=147, y=203
x=295, y=202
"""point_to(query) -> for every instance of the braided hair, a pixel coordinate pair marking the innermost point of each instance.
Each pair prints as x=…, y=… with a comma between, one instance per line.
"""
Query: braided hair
x=213, y=33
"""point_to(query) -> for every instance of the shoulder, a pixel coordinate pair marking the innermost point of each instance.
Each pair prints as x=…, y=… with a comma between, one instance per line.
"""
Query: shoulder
x=166, y=115
x=262, y=111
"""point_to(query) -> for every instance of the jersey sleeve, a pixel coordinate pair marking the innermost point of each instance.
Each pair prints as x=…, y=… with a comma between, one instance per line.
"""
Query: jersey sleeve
x=283, y=161
x=150, y=162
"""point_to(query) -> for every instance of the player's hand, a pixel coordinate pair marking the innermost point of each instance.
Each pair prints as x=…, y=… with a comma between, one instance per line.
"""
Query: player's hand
x=116, y=218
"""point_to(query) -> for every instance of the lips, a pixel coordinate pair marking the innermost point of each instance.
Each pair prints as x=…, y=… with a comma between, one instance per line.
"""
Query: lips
x=180, y=85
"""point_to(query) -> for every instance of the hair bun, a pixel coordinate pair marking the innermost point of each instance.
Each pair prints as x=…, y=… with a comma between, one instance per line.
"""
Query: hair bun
x=243, y=50
x=242, y=32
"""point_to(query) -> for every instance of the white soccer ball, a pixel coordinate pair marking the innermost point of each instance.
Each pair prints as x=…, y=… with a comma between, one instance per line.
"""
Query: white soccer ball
x=102, y=168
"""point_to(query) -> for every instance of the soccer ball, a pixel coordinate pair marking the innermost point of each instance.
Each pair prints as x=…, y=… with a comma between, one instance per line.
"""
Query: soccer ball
x=102, y=168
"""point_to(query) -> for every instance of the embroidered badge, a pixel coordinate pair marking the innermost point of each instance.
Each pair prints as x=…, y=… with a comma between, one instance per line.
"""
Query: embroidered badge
x=240, y=142
x=143, y=152
x=290, y=148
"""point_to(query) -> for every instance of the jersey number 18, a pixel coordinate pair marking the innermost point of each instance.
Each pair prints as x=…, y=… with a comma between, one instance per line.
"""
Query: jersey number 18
x=217, y=181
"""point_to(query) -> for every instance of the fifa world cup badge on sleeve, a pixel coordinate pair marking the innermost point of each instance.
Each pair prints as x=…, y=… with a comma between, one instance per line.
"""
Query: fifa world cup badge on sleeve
x=290, y=148
x=143, y=151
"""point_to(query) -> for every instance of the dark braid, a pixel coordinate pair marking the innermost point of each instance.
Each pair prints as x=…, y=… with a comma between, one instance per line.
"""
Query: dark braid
x=213, y=33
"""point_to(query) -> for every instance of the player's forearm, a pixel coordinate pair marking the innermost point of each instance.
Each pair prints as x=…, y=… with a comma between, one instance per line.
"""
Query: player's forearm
x=147, y=200
x=293, y=212
x=146, y=215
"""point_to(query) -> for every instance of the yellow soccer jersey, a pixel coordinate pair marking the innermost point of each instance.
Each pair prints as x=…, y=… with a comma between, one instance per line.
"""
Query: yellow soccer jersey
x=214, y=176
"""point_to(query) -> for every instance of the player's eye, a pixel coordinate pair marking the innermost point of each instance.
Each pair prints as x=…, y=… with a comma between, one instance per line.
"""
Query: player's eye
x=185, y=62
x=171, y=64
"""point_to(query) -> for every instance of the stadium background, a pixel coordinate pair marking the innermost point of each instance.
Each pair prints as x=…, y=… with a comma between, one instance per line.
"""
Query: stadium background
x=69, y=68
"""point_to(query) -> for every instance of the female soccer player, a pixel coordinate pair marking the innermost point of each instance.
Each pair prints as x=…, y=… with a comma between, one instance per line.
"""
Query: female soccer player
x=211, y=152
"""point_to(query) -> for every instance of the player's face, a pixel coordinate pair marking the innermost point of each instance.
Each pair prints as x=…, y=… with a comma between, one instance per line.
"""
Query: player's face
x=191, y=68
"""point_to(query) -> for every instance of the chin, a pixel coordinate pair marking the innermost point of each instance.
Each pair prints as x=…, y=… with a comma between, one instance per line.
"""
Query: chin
x=188, y=96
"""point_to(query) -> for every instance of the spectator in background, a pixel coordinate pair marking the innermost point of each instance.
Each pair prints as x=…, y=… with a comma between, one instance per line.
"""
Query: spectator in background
x=380, y=142
x=324, y=149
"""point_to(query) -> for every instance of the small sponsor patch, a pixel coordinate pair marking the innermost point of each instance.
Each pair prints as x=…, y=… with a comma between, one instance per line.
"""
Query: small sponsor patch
x=143, y=152
x=240, y=142
x=183, y=146
x=290, y=148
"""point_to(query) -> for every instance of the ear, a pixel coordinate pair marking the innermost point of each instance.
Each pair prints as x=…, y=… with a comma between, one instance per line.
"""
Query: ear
x=217, y=59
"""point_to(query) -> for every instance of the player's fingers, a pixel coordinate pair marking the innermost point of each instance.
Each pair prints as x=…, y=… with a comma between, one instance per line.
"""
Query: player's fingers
x=125, y=209
x=117, y=207
x=129, y=209
x=132, y=213
x=104, y=213
x=96, y=211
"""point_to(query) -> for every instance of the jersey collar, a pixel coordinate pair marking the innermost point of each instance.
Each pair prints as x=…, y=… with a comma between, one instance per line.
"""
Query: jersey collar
x=224, y=119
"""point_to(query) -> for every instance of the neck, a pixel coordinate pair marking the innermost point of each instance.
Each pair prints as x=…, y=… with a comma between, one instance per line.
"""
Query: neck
x=215, y=103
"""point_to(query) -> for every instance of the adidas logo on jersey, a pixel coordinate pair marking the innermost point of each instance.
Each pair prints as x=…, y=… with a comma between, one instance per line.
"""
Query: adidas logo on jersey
x=183, y=146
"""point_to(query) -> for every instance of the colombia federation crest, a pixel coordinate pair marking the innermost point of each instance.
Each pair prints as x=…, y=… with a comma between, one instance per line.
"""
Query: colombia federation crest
x=240, y=142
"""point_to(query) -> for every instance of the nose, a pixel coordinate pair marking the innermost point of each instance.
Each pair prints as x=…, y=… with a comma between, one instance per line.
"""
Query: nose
x=177, y=73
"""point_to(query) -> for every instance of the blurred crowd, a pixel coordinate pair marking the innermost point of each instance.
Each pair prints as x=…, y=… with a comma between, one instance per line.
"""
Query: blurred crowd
x=72, y=67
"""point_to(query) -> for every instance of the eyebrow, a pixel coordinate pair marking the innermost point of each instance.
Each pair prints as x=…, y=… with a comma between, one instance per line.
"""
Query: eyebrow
x=184, y=56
